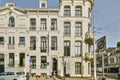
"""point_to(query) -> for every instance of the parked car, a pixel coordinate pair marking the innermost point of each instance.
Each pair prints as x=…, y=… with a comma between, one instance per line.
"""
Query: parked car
x=119, y=75
x=12, y=76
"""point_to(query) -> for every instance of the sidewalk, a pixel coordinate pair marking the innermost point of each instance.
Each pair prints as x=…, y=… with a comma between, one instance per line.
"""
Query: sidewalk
x=90, y=78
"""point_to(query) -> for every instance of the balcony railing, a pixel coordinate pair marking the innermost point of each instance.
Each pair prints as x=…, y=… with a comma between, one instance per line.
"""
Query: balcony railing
x=11, y=46
x=43, y=66
x=89, y=38
x=1, y=43
x=33, y=66
x=21, y=44
x=77, y=55
x=32, y=28
x=10, y=65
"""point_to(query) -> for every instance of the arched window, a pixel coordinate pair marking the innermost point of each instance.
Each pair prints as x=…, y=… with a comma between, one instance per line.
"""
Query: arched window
x=78, y=28
x=11, y=22
x=78, y=48
x=78, y=11
x=67, y=11
x=11, y=59
x=67, y=29
x=66, y=48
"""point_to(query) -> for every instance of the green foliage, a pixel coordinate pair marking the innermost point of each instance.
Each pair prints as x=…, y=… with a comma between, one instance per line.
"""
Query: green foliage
x=118, y=44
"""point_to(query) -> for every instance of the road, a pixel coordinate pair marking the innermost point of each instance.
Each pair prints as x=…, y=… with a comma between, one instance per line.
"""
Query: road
x=112, y=76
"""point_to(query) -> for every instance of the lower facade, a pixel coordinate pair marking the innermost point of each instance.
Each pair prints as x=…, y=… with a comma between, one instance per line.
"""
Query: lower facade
x=45, y=65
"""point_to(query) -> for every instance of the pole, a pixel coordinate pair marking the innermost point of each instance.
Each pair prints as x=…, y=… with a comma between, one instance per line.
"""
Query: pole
x=94, y=46
x=103, y=77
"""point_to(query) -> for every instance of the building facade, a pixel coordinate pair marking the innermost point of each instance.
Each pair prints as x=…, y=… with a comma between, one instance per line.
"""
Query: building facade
x=46, y=40
x=114, y=60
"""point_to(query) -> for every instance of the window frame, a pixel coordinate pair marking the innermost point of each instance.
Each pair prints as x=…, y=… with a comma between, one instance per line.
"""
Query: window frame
x=67, y=10
x=43, y=44
x=78, y=11
x=11, y=21
x=78, y=66
x=67, y=48
x=67, y=28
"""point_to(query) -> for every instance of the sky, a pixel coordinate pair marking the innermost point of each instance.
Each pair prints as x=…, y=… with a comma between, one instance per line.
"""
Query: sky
x=107, y=16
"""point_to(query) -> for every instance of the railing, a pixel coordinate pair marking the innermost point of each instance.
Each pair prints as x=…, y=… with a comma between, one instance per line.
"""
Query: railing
x=32, y=28
x=11, y=46
x=43, y=67
x=33, y=66
x=21, y=44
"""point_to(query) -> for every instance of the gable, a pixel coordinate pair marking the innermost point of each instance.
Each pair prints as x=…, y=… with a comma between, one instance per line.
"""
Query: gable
x=11, y=10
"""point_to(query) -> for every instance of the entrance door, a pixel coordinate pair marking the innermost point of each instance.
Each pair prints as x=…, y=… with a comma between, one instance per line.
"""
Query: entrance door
x=55, y=65
x=1, y=63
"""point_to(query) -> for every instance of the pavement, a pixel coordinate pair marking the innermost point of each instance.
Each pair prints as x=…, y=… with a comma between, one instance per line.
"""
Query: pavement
x=90, y=78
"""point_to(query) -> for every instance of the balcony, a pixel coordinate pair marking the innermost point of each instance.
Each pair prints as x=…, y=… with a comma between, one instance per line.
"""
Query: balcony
x=11, y=46
x=33, y=66
x=32, y=28
x=88, y=57
x=89, y=38
x=21, y=44
x=77, y=55
x=1, y=44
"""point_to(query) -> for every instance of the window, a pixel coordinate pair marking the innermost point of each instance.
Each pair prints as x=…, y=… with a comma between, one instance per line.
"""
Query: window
x=78, y=29
x=11, y=40
x=22, y=60
x=32, y=24
x=117, y=59
x=53, y=24
x=111, y=60
x=43, y=44
x=78, y=11
x=53, y=43
x=78, y=48
x=67, y=11
x=67, y=29
x=32, y=43
x=66, y=48
x=21, y=40
x=89, y=12
x=43, y=24
x=89, y=68
x=11, y=43
x=33, y=58
x=43, y=62
x=43, y=5
x=11, y=22
x=1, y=40
x=11, y=59
x=77, y=68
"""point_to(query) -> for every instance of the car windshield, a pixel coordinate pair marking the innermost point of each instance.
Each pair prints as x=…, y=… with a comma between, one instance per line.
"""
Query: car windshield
x=20, y=73
x=12, y=73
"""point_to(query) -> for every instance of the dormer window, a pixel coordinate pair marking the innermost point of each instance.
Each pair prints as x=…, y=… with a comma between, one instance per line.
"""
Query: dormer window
x=43, y=5
x=11, y=22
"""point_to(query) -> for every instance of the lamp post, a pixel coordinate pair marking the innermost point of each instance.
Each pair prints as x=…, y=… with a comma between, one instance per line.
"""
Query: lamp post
x=94, y=54
x=63, y=62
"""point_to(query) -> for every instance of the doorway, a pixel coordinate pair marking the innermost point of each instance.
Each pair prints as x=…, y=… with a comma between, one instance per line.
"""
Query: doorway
x=55, y=62
x=1, y=63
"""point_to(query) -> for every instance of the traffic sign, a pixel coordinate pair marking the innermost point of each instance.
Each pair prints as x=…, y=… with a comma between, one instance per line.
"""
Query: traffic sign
x=30, y=60
x=101, y=44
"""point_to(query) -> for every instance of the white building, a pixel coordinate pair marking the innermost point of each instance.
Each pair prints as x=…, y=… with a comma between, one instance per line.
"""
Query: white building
x=47, y=39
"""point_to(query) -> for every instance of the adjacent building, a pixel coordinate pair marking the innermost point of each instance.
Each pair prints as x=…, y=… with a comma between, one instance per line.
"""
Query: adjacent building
x=46, y=40
x=114, y=60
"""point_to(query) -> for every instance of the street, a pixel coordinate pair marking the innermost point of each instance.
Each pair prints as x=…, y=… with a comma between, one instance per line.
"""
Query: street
x=109, y=76
x=113, y=76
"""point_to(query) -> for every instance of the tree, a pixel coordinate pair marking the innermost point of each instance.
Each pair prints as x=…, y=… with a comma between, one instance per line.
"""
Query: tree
x=118, y=44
